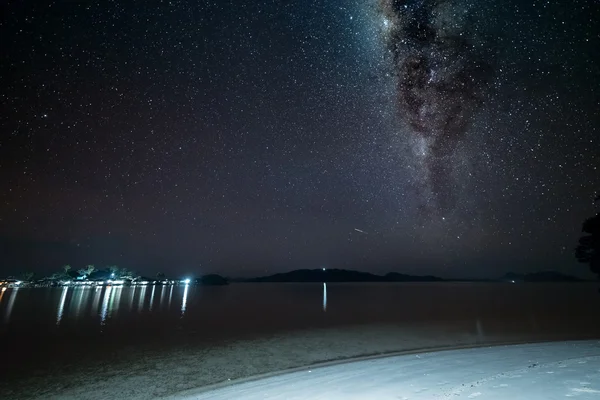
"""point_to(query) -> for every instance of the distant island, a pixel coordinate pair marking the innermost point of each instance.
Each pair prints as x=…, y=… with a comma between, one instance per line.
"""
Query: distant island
x=341, y=275
x=212, y=280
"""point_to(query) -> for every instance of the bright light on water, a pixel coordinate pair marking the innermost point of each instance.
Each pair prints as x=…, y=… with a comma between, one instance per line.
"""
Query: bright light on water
x=79, y=300
x=141, y=300
x=184, y=300
x=11, y=303
x=152, y=298
x=131, y=296
x=324, y=296
x=162, y=296
x=115, y=300
x=105, y=305
x=96, y=301
x=61, y=305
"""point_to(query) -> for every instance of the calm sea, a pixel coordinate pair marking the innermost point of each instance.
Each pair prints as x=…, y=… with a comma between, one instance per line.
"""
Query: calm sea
x=43, y=325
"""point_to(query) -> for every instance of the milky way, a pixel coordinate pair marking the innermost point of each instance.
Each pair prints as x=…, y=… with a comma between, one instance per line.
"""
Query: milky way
x=195, y=137
x=443, y=70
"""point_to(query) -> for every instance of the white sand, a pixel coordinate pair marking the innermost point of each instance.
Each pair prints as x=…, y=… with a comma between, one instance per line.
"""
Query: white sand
x=535, y=371
x=138, y=375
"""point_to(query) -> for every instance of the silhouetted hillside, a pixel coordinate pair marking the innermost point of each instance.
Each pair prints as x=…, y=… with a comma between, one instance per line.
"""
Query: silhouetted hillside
x=341, y=275
x=398, y=277
x=212, y=280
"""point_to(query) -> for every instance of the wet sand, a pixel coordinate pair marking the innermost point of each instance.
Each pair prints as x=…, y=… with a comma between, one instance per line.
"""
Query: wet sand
x=161, y=373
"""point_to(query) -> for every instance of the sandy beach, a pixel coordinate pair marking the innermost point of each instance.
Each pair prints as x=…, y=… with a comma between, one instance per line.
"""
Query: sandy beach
x=145, y=374
x=534, y=371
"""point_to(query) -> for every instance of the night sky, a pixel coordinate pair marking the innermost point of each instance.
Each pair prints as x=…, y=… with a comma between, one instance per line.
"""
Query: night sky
x=448, y=137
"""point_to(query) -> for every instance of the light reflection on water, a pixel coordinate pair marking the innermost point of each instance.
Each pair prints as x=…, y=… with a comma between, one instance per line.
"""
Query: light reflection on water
x=162, y=296
x=141, y=299
x=101, y=303
x=11, y=303
x=79, y=303
x=115, y=300
x=184, y=300
x=131, y=297
x=117, y=311
x=105, y=301
x=324, y=296
x=152, y=298
x=96, y=301
x=61, y=305
x=68, y=304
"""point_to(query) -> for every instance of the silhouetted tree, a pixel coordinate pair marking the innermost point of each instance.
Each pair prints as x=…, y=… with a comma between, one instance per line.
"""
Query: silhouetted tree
x=588, y=250
x=87, y=271
x=114, y=270
x=127, y=274
x=27, y=276
x=64, y=274
x=160, y=276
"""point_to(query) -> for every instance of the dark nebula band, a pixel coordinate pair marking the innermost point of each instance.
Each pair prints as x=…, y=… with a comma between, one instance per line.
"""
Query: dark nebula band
x=443, y=70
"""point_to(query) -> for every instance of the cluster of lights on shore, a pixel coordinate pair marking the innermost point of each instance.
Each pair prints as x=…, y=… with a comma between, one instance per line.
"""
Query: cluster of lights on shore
x=121, y=282
x=108, y=282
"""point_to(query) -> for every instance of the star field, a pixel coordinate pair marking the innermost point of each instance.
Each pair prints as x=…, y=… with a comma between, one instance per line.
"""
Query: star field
x=250, y=137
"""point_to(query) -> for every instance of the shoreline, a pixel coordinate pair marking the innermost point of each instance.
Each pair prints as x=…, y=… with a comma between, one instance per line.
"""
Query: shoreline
x=367, y=357
x=464, y=372
x=193, y=369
